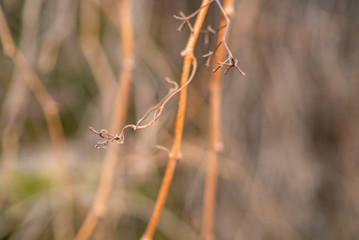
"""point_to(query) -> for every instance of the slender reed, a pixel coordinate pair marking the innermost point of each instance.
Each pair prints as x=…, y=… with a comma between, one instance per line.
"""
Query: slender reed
x=215, y=143
x=119, y=114
x=175, y=151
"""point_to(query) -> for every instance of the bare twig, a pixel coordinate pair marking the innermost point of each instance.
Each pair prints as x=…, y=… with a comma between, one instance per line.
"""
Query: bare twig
x=185, y=19
x=189, y=59
x=215, y=143
x=230, y=62
x=157, y=109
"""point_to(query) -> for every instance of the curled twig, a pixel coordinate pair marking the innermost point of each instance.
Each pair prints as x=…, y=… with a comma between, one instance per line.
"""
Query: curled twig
x=157, y=109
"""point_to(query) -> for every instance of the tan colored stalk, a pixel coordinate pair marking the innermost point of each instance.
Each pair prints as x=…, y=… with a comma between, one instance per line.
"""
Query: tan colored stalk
x=215, y=143
x=120, y=108
x=51, y=114
x=175, y=151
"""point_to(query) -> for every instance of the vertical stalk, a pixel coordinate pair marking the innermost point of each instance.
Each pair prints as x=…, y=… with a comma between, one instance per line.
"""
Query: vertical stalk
x=119, y=115
x=176, y=146
x=215, y=142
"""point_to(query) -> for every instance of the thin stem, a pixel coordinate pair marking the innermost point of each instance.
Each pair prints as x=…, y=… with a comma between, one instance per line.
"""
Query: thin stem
x=175, y=151
x=215, y=143
x=157, y=109
x=230, y=62
x=120, y=109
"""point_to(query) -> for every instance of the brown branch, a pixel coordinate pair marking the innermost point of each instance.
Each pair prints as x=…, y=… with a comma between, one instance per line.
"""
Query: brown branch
x=175, y=151
x=215, y=143
x=185, y=19
x=119, y=114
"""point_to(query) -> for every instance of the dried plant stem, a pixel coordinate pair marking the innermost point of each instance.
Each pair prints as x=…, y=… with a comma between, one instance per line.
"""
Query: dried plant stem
x=215, y=143
x=120, y=108
x=175, y=151
x=51, y=115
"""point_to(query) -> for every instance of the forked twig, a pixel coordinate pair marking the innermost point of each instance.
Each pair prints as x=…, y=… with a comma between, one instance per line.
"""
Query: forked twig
x=209, y=30
x=185, y=19
x=230, y=62
x=215, y=142
x=157, y=109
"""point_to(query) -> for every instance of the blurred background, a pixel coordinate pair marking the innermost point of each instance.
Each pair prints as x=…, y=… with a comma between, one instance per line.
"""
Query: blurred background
x=289, y=169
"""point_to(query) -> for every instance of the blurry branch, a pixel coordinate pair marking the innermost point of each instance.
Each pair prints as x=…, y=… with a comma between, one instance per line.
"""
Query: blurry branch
x=95, y=55
x=62, y=27
x=13, y=110
x=215, y=142
x=49, y=109
x=119, y=115
x=189, y=59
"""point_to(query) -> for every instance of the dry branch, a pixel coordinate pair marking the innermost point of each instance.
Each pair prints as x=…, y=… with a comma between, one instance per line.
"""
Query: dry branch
x=231, y=61
x=215, y=143
x=175, y=151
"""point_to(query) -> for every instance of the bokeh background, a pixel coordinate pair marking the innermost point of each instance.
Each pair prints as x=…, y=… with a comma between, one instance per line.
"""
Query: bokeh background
x=289, y=169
